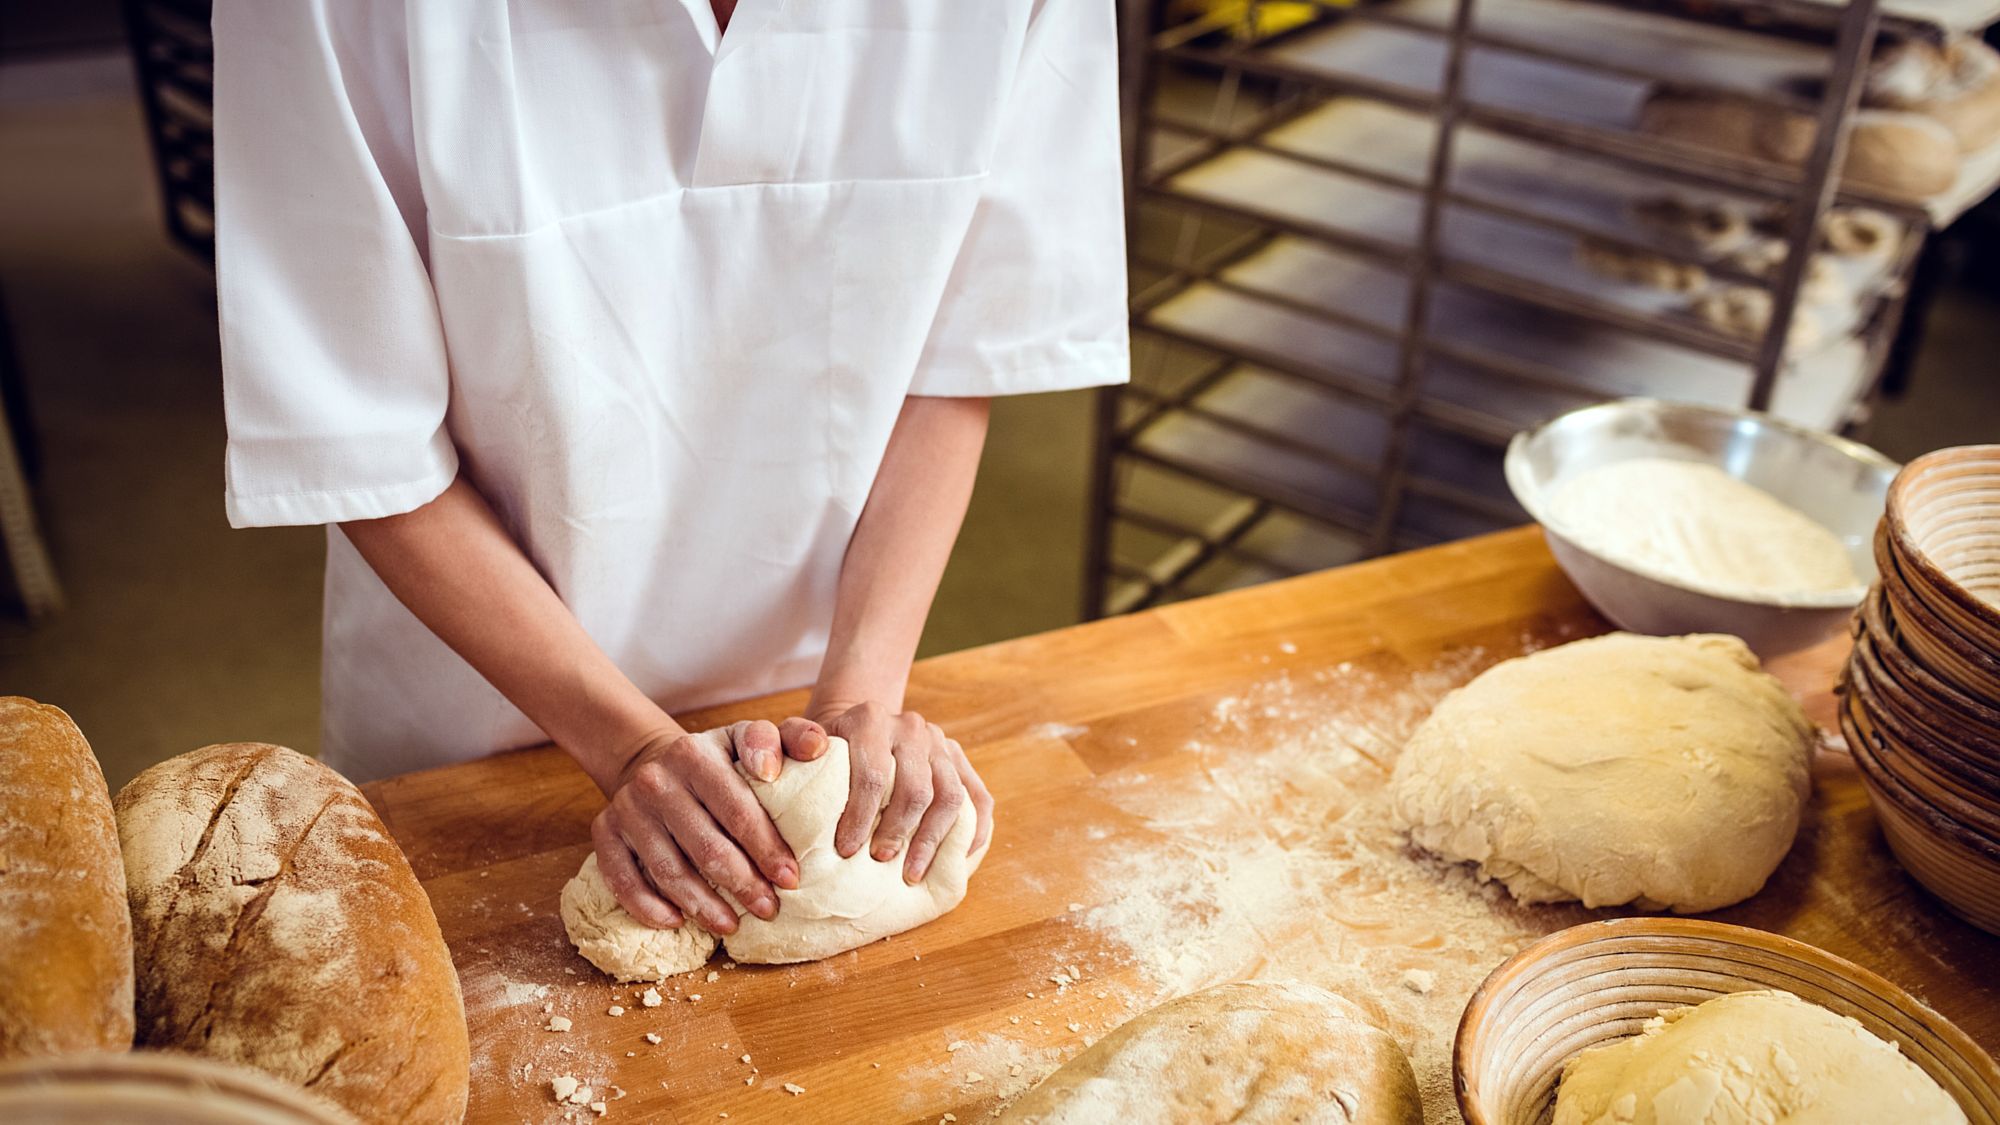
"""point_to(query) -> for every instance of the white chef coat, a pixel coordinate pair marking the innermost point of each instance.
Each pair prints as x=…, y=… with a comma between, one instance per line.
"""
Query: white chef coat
x=658, y=292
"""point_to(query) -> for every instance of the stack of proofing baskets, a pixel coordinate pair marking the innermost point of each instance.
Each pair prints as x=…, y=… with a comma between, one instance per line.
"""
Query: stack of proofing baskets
x=1920, y=703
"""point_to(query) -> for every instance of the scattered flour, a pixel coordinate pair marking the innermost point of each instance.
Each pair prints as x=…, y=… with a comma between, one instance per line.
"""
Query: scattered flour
x=1271, y=856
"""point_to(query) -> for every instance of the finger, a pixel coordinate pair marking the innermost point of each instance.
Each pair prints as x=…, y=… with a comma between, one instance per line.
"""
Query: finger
x=944, y=812
x=628, y=884
x=668, y=867
x=726, y=800
x=976, y=791
x=870, y=769
x=804, y=739
x=758, y=747
x=910, y=795
x=718, y=857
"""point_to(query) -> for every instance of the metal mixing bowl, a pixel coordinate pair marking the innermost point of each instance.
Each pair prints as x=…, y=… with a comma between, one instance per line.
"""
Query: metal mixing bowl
x=1840, y=483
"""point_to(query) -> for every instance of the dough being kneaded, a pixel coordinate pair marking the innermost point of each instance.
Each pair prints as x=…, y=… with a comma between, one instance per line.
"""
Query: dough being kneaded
x=1665, y=772
x=1253, y=1052
x=840, y=904
x=1750, y=1058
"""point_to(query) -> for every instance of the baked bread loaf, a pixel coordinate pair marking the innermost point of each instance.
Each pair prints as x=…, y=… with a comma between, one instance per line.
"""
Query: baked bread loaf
x=1956, y=82
x=65, y=938
x=1252, y=1052
x=277, y=925
x=1900, y=153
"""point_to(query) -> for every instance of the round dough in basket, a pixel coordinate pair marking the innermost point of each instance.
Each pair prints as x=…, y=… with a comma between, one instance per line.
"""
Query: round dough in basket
x=1749, y=1058
x=1665, y=772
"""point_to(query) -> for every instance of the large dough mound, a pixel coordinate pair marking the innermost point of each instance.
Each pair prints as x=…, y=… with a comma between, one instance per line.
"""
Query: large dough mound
x=840, y=904
x=1749, y=1058
x=1250, y=1053
x=1667, y=772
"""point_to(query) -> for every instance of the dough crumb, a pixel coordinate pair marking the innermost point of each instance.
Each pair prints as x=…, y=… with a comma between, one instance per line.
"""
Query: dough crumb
x=947, y=1119
x=956, y=1045
x=558, y=1023
x=713, y=975
x=1076, y=908
x=746, y=1058
x=693, y=996
x=631, y=1054
x=1013, y=1019
x=1419, y=981
x=582, y=1096
x=562, y=1087
x=1014, y=1070
x=599, y=1108
x=973, y=1077
x=650, y=998
x=652, y=1037
x=794, y=1089
x=1074, y=1027
x=614, y=1010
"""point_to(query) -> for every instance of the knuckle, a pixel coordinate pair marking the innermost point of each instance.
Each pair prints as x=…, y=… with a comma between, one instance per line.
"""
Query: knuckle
x=710, y=853
x=871, y=777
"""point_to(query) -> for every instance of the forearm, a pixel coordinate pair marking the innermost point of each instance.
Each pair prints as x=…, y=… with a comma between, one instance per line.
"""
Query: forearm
x=899, y=549
x=457, y=569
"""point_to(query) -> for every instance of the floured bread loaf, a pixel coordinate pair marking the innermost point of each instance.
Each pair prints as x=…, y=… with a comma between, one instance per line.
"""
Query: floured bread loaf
x=279, y=926
x=65, y=935
x=1665, y=772
x=1956, y=82
x=1254, y=1052
x=840, y=903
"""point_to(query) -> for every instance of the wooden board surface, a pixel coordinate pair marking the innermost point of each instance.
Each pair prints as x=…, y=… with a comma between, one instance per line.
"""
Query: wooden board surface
x=1184, y=795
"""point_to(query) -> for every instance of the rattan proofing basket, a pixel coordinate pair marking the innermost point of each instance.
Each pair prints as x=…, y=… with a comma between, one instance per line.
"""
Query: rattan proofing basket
x=1600, y=981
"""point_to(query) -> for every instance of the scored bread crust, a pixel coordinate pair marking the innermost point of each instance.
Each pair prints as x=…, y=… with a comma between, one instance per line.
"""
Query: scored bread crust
x=278, y=925
x=65, y=937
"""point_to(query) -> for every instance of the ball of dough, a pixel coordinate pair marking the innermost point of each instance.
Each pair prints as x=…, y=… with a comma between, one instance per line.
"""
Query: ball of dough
x=1749, y=1058
x=620, y=944
x=1666, y=772
x=840, y=904
x=1256, y=1051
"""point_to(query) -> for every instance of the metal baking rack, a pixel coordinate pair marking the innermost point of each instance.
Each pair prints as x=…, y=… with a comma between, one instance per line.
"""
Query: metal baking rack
x=1354, y=269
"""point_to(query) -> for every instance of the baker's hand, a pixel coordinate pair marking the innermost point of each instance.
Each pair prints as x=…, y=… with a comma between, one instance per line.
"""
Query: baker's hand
x=933, y=781
x=681, y=821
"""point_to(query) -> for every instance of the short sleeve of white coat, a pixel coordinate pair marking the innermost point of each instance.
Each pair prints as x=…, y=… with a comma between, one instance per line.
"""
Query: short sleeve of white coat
x=1036, y=298
x=333, y=358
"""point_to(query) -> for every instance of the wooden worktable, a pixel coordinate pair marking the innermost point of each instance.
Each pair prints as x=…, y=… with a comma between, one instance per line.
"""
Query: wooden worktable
x=1057, y=723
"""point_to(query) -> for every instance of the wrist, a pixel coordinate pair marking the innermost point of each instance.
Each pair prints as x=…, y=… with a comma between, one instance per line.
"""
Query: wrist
x=609, y=757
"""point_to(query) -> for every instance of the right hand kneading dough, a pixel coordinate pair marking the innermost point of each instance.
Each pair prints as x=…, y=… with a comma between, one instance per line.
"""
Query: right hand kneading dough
x=840, y=904
x=1252, y=1052
x=1667, y=772
x=1749, y=1058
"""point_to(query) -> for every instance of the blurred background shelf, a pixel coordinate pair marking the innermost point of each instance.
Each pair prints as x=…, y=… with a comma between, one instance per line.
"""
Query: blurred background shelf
x=1358, y=261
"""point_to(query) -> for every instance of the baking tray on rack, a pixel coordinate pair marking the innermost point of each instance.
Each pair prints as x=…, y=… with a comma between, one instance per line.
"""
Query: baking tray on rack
x=1602, y=362
x=1411, y=59
x=1381, y=219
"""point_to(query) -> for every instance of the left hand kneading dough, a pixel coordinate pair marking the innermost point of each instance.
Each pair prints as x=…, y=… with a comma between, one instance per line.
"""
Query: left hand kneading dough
x=840, y=903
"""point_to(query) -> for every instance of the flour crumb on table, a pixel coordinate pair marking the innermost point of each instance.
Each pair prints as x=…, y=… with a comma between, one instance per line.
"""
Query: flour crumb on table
x=1419, y=981
x=558, y=1023
x=652, y=1037
x=614, y=1010
x=650, y=998
x=794, y=1089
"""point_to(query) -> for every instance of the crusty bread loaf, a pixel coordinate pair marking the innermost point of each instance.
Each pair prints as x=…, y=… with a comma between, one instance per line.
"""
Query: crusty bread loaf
x=279, y=926
x=153, y=1088
x=65, y=937
x=1899, y=153
x=1251, y=1052
x=1956, y=82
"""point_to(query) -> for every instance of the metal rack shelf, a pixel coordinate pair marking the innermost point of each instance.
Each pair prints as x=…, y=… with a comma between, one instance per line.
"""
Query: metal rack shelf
x=1355, y=276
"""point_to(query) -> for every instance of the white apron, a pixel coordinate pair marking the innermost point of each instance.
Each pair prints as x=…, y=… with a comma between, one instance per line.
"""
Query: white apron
x=660, y=298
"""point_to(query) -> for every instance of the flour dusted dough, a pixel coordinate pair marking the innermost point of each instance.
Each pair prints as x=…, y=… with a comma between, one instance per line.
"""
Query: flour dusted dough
x=1749, y=1058
x=1668, y=772
x=1695, y=525
x=840, y=904
x=1252, y=1052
